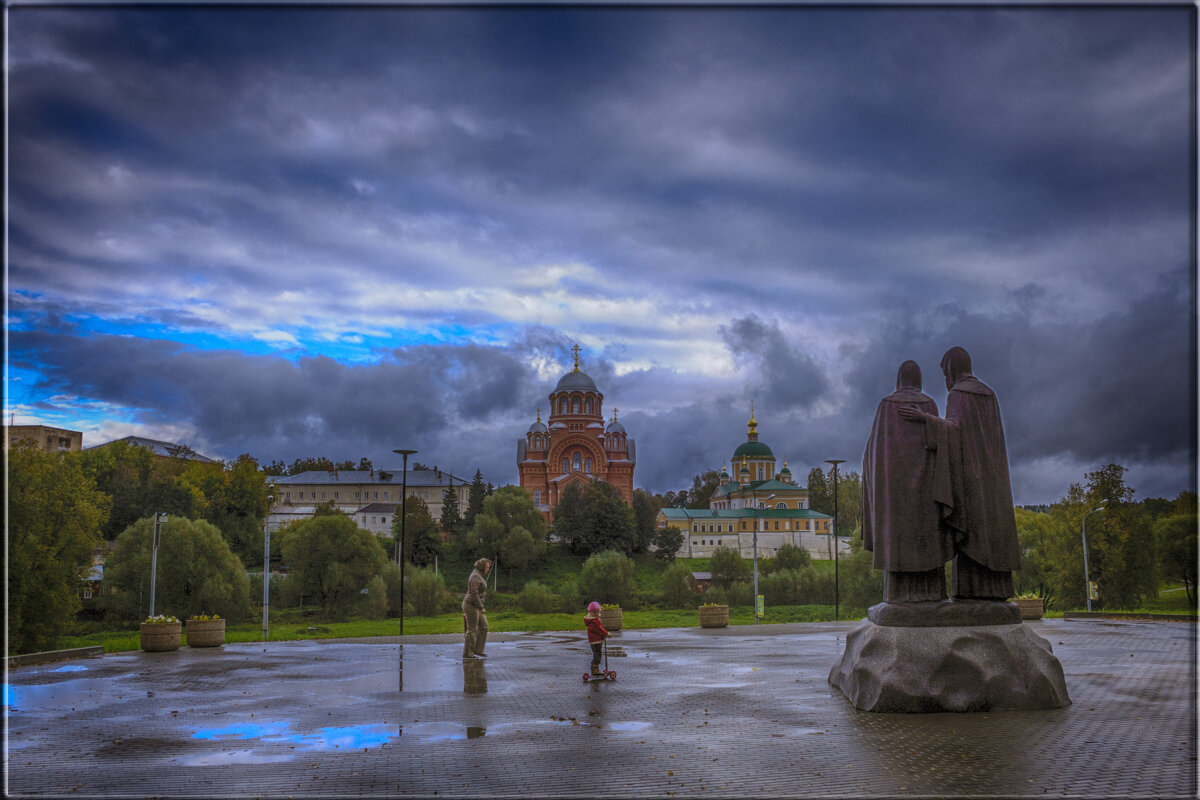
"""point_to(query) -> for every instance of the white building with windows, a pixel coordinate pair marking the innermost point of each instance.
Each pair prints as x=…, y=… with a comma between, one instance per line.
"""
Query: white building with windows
x=371, y=497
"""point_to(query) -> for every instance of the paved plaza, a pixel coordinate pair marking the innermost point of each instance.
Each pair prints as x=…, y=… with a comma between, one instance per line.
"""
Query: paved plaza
x=742, y=711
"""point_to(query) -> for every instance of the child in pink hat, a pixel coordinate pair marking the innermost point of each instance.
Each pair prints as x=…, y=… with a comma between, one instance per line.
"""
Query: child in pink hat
x=596, y=634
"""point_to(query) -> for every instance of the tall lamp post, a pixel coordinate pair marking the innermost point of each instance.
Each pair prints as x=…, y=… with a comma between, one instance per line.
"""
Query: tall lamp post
x=836, y=589
x=403, y=519
x=755, y=553
x=267, y=566
x=159, y=518
x=1087, y=584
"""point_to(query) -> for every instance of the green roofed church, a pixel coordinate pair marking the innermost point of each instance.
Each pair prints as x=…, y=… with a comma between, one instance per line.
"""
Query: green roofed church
x=754, y=496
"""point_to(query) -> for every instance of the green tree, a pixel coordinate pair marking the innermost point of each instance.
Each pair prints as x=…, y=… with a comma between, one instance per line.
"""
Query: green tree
x=607, y=577
x=235, y=500
x=645, y=513
x=421, y=541
x=678, y=587
x=792, y=557
x=55, y=514
x=1035, y=530
x=197, y=572
x=849, y=501
x=1176, y=535
x=820, y=494
x=667, y=542
x=594, y=517
x=510, y=527
x=451, y=520
x=332, y=560
x=536, y=598
x=475, y=498
x=122, y=471
x=728, y=567
x=703, y=487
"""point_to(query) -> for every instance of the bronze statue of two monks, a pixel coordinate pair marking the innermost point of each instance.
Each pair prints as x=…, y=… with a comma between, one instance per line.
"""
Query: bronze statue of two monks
x=936, y=489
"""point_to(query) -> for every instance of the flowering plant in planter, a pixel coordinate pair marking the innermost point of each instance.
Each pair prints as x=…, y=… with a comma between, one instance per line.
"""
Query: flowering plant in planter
x=160, y=619
x=205, y=631
x=610, y=616
x=160, y=632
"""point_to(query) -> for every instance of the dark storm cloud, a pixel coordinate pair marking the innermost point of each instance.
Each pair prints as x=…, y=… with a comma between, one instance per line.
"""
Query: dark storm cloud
x=788, y=376
x=808, y=194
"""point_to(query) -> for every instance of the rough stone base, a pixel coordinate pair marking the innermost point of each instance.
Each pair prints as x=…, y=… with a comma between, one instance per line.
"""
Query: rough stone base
x=945, y=613
x=934, y=669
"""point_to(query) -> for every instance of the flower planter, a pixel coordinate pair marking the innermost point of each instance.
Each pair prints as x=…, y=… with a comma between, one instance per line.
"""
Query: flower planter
x=610, y=618
x=158, y=637
x=205, y=632
x=1031, y=607
x=714, y=616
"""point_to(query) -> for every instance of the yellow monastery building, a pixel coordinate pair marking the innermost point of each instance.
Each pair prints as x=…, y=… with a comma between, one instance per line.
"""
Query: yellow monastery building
x=756, y=496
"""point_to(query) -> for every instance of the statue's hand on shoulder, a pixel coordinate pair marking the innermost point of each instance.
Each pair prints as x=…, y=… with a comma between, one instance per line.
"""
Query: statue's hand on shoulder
x=911, y=413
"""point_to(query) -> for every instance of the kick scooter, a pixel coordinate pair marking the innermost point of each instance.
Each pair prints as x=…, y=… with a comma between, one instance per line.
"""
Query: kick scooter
x=607, y=674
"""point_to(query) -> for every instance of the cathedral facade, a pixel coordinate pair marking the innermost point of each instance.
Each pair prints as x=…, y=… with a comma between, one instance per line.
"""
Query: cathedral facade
x=574, y=445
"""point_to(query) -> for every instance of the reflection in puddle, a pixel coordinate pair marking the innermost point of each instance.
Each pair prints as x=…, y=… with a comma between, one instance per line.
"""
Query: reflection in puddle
x=232, y=757
x=73, y=694
x=355, y=737
x=71, y=668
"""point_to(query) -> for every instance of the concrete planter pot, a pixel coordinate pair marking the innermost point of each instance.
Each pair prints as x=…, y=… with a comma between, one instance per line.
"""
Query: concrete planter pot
x=205, y=632
x=714, y=616
x=1031, y=607
x=159, y=637
x=610, y=618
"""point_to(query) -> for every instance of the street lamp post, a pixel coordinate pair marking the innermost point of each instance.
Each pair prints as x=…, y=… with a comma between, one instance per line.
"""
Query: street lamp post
x=267, y=567
x=836, y=554
x=403, y=519
x=1087, y=584
x=159, y=518
x=755, y=553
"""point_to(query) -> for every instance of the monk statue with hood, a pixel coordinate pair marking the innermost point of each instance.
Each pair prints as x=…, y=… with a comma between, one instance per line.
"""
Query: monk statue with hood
x=934, y=489
x=904, y=494
x=971, y=454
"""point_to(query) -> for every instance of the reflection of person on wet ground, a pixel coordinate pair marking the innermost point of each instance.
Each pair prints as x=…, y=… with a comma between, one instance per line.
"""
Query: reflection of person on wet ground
x=473, y=610
x=474, y=677
x=596, y=634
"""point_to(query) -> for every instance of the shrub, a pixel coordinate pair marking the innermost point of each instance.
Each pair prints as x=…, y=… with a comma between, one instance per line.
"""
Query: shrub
x=536, y=598
x=375, y=603
x=740, y=594
x=197, y=572
x=607, y=576
x=678, y=587
x=426, y=592
x=715, y=596
x=792, y=557
x=727, y=567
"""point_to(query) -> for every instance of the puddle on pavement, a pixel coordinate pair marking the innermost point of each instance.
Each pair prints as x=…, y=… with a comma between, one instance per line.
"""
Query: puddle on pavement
x=66, y=695
x=354, y=737
x=452, y=731
x=71, y=668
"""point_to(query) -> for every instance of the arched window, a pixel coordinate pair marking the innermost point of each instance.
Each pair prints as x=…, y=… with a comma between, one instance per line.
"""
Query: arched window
x=588, y=405
x=587, y=466
x=566, y=465
x=577, y=460
x=562, y=406
x=781, y=505
x=575, y=405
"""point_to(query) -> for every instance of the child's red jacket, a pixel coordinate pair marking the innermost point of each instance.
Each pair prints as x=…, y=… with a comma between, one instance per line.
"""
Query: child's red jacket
x=596, y=631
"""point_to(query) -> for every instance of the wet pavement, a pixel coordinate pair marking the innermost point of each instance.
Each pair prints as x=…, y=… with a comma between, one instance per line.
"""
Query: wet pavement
x=742, y=711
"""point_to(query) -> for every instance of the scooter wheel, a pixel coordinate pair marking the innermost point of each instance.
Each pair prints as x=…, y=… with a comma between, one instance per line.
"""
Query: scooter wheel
x=586, y=677
x=612, y=674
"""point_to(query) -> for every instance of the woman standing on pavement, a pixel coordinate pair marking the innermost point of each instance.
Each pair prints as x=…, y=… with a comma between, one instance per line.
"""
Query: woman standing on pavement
x=473, y=610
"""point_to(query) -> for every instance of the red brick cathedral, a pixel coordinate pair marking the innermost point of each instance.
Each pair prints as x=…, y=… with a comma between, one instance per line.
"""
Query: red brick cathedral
x=573, y=445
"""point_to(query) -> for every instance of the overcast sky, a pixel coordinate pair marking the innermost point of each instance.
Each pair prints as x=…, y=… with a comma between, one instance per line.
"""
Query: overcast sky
x=296, y=231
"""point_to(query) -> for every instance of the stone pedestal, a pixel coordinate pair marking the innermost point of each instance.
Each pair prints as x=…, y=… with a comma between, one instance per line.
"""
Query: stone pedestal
x=931, y=668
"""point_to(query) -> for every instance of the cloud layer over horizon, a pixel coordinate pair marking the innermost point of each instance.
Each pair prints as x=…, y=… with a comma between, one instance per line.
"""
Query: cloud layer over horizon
x=318, y=231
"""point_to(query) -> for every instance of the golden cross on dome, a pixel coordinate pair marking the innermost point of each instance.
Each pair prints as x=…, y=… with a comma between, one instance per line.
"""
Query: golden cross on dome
x=614, y=419
x=575, y=350
x=539, y=415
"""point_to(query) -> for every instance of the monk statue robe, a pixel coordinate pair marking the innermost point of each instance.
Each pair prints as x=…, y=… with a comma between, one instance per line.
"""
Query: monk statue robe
x=904, y=496
x=971, y=452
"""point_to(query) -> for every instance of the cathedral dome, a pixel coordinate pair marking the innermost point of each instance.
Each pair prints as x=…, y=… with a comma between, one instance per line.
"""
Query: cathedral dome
x=538, y=427
x=615, y=427
x=753, y=450
x=576, y=381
